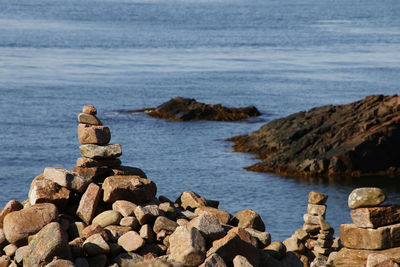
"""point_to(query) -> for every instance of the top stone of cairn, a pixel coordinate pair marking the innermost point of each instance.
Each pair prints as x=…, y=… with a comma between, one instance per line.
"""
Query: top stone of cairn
x=366, y=197
x=89, y=109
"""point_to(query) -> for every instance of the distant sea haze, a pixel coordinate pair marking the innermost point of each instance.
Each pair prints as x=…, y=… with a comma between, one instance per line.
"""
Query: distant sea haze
x=281, y=56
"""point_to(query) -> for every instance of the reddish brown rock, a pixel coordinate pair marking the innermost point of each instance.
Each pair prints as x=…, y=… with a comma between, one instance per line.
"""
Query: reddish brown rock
x=130, y=221
x=95, y=244
x=116, y=231
x=317, y=198
x=131, y=241
x=187, y=246
x=380, y=260
x=358, y=258
x=127, y=170
x=126, y=208
x=147, y=214
x=12, y=205
x=132, y=188
x=89, y=109
x=354, y=139
x=48, y=243
x=374, y=217
x=89, y=163
x=88, y=119
x=163, y=223
x=359, y=238
x=98, y=135
x=222, y=215
x=60, y=263
x=94, y=229
x=93, y=173
x=88, y=204
x=66, y=178
x=18, y=225
x=248, y=219
x=190, y=200
x=209, y=227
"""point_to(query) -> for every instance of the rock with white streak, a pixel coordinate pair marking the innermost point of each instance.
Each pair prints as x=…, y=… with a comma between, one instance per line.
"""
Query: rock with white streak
x=66, y=178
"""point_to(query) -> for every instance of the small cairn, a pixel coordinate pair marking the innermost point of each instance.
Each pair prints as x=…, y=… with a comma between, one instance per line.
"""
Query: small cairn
x=374, y=237
x=105, y=214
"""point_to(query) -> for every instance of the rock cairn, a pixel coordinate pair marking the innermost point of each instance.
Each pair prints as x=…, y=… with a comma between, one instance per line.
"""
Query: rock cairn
x=105, y=214
x=374, y=237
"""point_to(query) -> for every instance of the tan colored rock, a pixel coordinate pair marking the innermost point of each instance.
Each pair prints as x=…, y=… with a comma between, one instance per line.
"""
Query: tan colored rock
x=222, y=215
x=89, y=163
x=380, y=260
x=89, y=109
x=190, y=200
x=276, y=249
x=301, y=234
x=374, y=217
x=131, y=241
x=294, y=244
x=88, y=119
x=358, y=258
x=93, y=173
x=94, y=229
x=168, y=209
x=187, y=246
x=76, y=246
x=147, y=233
x=4, y=261
x=263, y=238
x=108, y=217
x=132, y=188
x=48, y=243
x=311, y=228
x=130, y=221
x=60, y=263
x=186, y=214
x=366, y=197
x=315, y=209
x=3, y=240
x=324, y=224
x=128, y=170
x=18, y=225
x=209, y=227
x=88, y=204
x=20, y=253
x=359, y=238
x=10, y=249
x=115, y=231
x=90, y=134
x=147, y=214
x=95, y=244
x=97, y=152
x=213, y=260
x=248, y=219
x=317, y=198
x=66, y=178
x=126, y=208
x=127, y=259
x=240, y=261
x=45, y=191
x=163, y=223
x=12, y=205
x=310, y=219
x=182, y=222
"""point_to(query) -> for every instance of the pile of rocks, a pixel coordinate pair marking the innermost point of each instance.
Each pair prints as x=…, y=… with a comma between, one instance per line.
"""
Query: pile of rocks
x=374, y=237
x=106, y=214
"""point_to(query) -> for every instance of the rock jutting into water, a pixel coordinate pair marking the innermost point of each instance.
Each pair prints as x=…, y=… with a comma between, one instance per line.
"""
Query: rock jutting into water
x=356, y=139
x=186, y=109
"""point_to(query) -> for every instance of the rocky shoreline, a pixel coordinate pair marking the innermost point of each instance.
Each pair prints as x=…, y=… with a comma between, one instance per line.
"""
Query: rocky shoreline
x=187, y=109
x=353, y=140
x=105, y=214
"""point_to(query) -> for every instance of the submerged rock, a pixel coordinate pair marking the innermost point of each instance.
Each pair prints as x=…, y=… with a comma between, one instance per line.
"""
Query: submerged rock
x=186, y=109
x=355, y=139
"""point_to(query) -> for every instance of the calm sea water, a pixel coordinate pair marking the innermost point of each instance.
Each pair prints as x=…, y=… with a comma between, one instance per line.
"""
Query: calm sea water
x=282, y=56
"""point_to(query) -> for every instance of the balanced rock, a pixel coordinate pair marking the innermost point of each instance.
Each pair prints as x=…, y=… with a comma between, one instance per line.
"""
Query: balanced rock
x=90, y=134
x=132, y=188
x=89, y=109
x=317, y=198
x=101, y=152
x=374, y=217
x=66, y=178
x=18, y=225
x=366, y=197
x=88, y=119
x=88, y=162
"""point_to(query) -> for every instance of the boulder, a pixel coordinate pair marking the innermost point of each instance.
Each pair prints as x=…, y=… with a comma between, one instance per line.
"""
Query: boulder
x=130, y=221
x=310, y=219
x=185, y=109
x=88, y=203
x=366, y=197
x=94, y=229
x=147, y=214
x=48, y=243
x=294, y=244
x=131, y=241
x=222, y=215
x=93, y=173
x=46, y=191
x=126, y=208
x=190, y=200
x=317, y=198
x=187, y=246
x=91, y=134
x=374, y=217
x=127, y=170
x=89, y=163
x=114, y=232
x=163, y=223
x=240, y=261
x=128, y=259
x=358, y=257
x=263, y=238
x=66, y=178
x=209, y=227
x=18, y=225
x=97, y=152
x=12, y=205
x=132, y=188
x=95, y=244
x=380, y=260
x=354, y=139
x=108, y=217
x=4, y=261
x=315, y=209
x=147, y=233
x=10, y=249
x=248, y=219
x=88, y=119
x=89, y=109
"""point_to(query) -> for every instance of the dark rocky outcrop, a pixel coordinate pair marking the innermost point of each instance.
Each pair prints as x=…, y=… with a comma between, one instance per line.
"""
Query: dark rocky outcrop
x=356, y=139
x=186, y=109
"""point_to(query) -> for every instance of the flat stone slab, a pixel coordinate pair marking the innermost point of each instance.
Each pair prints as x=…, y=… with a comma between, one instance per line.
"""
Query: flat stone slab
x=93, y=134
x=69, y=179
x=374, y=217
x=101, y=152
x=358, y=258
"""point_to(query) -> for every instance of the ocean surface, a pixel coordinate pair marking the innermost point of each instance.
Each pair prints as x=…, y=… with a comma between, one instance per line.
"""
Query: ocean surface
x=281, y=56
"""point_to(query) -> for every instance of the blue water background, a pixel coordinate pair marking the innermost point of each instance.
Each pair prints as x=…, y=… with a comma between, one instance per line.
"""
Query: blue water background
x=281, y=56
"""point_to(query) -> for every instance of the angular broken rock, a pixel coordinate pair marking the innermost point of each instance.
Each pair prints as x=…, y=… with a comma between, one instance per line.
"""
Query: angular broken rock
x=126, y=208
x=108, y=217
x=374, y=217
x=240, y=261
x=91, y=134
x=88, y=119
x=101, y=152
x=276, y=249
x=209, y=227
x=88, y=204
x=366, y=197
x=147, y=214
x=191, y=200
x=310, y=219
x=132, y=188
x=89, y=163
x=317, y=198
x=95, y=244
x=46, y=191
x=89, y=109
x=222, y=215
x=293, y=244
x=130, y=221
x=315, y=209
x=66, y=178
x=18, y=225
x=163, y=223
x=358, y=257
x=248, y=219
x=131, y=241
x=48, y=243
x=380, y=260
x=213, y=260
x=263, y=238
x=187, y=246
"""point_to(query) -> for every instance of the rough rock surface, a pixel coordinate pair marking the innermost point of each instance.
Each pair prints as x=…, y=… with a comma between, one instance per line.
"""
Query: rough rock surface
x=355, y=139
x=186, y=109
x=366, y=197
